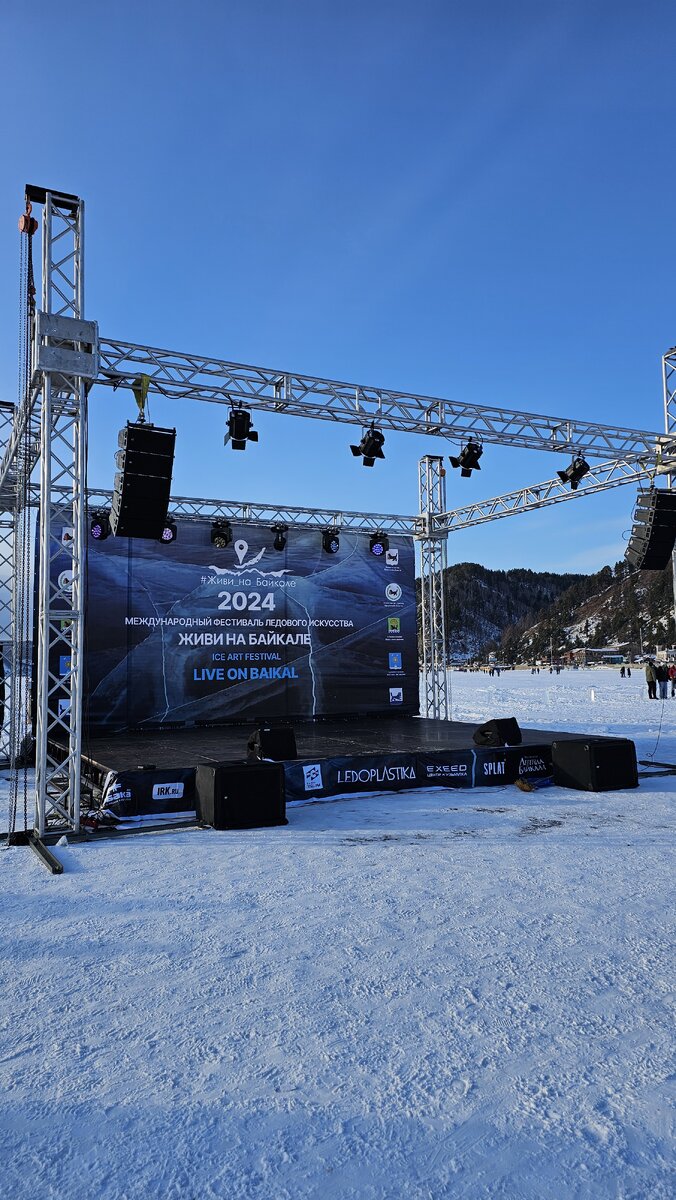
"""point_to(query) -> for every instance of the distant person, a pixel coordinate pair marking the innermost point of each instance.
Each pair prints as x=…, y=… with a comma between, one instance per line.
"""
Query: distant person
x=662, y=676
x=628, y=672
x=672, y=678
x=651, y=679
x=621, y=672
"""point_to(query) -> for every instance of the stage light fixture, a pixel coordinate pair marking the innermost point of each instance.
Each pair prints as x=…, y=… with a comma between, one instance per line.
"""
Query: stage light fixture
x=280, y=532
x=379, y=544
x=169, y=533
x=331, y=541
x=221, y=534
x=240, y=428
x=370, y=447
x=99, y=526
x=575, y=472
x=468, y=459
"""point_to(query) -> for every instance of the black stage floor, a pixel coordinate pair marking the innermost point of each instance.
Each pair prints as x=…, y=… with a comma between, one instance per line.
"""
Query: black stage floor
x=314, y=740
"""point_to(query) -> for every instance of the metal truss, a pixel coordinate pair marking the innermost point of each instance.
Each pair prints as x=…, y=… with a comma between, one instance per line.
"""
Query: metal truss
x=552, y=491
x=432, y=493
x=190, y=509
x=63, y=361
x=669, y=384
x=194, y=377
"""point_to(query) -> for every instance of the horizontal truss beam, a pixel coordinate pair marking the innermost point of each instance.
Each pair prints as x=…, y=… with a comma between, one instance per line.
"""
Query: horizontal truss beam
x=214, y=381
x=553, y=491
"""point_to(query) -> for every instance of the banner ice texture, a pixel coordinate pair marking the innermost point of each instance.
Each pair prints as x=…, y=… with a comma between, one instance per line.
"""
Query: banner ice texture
x=188, y=633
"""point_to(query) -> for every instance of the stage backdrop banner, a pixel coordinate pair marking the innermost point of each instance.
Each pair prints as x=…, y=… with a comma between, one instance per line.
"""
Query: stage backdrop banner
x=187, y=633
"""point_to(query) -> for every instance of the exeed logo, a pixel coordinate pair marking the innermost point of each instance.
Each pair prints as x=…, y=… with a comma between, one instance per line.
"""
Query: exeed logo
x=167, y=791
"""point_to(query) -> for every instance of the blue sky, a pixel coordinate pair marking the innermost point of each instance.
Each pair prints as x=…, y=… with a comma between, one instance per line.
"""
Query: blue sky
x=465, y=202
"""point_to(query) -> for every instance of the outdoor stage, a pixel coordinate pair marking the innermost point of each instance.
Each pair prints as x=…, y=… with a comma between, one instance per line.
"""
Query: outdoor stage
x=147, y=774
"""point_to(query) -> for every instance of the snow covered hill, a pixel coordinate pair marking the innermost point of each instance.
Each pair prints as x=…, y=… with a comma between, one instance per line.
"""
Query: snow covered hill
x=427, y=995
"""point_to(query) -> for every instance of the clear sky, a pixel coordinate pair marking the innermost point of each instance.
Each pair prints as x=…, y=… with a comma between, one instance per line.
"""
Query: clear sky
x=466, y=201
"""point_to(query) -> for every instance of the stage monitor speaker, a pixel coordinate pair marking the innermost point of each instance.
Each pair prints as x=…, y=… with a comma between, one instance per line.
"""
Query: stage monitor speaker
x=145, y=462
x=653, y=532
x=273, y=741
x=240, y=795
x=595, y=764
x=503, y=731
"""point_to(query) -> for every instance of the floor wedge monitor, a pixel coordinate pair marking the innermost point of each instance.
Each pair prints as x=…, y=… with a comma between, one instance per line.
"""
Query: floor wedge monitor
x=145, y=462
x=653, y=532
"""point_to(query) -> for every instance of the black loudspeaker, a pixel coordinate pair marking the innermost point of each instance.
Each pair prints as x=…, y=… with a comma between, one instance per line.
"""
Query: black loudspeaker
x=504, y=731
x=595, y=764
x=277, y=742
x=654, y=531
x=145, y=462
x=238, y=795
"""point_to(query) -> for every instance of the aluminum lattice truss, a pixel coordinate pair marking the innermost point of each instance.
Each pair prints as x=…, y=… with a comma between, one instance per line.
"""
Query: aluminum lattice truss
x=432, y=494
x=216, y=381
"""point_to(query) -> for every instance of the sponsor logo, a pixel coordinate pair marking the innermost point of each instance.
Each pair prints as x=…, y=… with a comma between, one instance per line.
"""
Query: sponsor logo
x=167, y=791
x=392, y=592
x=313, y=778
x=531, y=765
x=394, y=624
x=395, y=662
x=67, y=536
x=66, y=581
x=396, y=695
x=392, y=558
x=64, y=707
x=64, y=664
x=117, y=793
x=494, y=768
x=445, y=770
x=376, y=775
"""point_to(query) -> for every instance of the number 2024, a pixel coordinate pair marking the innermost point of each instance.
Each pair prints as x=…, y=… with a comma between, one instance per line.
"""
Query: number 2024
x=249, y=600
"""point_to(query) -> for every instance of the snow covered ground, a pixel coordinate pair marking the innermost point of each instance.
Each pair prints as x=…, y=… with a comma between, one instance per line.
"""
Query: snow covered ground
x=428, y=994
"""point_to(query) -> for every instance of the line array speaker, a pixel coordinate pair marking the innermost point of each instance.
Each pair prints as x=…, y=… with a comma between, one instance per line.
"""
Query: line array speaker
x=143, y=483
x=654, y=531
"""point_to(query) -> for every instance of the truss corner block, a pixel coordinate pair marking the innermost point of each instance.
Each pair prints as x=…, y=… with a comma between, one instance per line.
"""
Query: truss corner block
x=66, y=346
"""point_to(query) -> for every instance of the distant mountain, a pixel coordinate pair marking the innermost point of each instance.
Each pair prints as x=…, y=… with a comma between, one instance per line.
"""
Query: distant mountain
x=522, y=615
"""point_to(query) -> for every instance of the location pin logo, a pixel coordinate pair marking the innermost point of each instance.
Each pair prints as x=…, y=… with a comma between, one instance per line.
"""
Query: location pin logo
x=241, y=548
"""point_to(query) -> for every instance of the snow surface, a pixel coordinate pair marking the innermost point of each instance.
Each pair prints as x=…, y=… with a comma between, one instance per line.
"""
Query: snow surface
x=424, y=994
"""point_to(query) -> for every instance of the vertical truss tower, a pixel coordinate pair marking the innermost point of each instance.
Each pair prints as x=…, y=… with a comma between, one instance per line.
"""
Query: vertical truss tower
x=669, y=382
x=432, y=493
x=64, y=361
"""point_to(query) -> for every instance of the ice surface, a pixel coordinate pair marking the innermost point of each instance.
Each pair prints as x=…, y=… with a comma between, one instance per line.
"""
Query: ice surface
x=428, y=994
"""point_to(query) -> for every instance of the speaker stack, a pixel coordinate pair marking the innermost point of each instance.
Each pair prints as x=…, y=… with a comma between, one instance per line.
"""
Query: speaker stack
x=143, y=484
x=654, y=531
x=277, y=742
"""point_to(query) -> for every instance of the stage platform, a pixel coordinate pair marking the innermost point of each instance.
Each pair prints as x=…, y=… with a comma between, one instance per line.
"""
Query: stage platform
x=146, y=774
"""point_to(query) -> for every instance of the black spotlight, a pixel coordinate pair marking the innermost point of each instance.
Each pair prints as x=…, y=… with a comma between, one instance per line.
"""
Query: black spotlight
x=574, y=473
x=468, y=459
x=169, y=533
x=370, y=446
x=221, y=534
x=379, y=544
x=280, y=532
x=99, y=526
x=330, y=541
x=240, y=430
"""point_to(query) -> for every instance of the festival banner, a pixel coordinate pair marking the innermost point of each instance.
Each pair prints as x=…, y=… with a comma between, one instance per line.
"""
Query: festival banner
x=186, y=633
